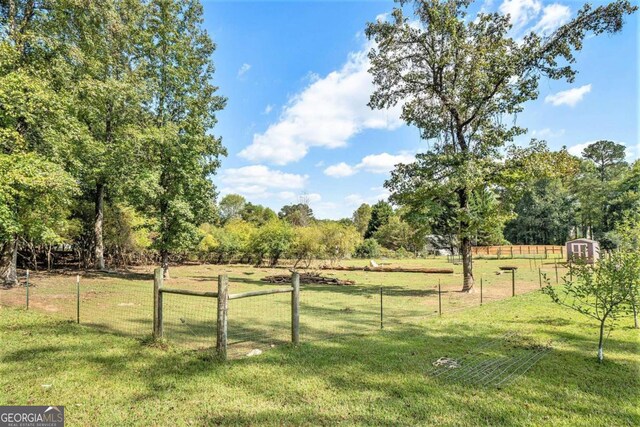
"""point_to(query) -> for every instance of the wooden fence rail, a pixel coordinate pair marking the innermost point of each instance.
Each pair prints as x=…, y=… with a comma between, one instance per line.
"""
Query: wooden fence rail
x=510, y=251
x=223, y=297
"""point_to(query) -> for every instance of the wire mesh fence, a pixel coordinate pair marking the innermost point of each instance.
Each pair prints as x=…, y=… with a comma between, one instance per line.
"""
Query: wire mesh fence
x=329, y=311
x=190, y=321
x=258, y=323
x=123, y=303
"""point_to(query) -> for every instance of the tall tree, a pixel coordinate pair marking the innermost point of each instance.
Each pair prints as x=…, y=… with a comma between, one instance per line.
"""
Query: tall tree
x=456, y=78
x=607, y=156
x=361, y=218
x=231, y=207
x=103, y=42
x=299, y=215
x=184, y=105
x=381, y=212
x=37, y=126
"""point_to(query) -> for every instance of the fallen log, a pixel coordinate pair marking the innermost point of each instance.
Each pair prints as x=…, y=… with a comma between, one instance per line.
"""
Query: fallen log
x=309, y=278
x=384, y=269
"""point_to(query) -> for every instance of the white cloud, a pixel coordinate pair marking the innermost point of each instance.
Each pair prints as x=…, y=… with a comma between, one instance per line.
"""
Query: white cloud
x=373, y=163
x=632, y=153
x=268, y=109
x=354, y=200
x=327, y=113
x=521, y=12
x=547, y=133
x=384, y=162
x=313, y=197
x=377, y=194
x=568, y=97
x=339, y=170
x=553, y=17
x=286, y=195
x=257, y=181
x=243, y=69
x=577, y=149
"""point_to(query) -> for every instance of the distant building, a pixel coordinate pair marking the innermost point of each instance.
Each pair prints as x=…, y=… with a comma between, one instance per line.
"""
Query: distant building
x=584, y=249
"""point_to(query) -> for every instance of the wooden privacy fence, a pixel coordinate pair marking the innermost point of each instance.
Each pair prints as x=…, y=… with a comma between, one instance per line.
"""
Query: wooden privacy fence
x=511, y=251
x=223, y=296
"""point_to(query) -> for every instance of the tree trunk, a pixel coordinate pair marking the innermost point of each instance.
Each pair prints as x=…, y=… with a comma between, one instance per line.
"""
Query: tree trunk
x=99, y=248
x=467, y=265
x=601, y=341
x=164, y=254
x=465, y=244
x=635, y=314
x=8, y=263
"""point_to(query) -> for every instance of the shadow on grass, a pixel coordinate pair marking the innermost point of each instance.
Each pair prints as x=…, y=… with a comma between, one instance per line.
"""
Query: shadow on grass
x=382, y=376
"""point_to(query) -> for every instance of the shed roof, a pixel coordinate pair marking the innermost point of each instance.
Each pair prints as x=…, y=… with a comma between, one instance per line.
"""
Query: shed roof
x=582, y=240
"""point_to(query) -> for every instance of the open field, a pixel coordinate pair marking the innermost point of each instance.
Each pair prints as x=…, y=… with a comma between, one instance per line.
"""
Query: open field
x=380, y=378
x=123, y=302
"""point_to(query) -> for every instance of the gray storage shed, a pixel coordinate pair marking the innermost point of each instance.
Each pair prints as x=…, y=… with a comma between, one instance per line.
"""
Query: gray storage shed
x=585, y=249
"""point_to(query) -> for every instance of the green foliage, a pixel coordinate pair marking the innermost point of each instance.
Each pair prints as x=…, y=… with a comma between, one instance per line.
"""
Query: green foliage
x=127, y=231
x=608, y=157
x=455, y=78
x=369, y=248
x=231, y=207
x=338, y=241
x=361, y=218
x=603, y=292
x=226, y=243
x=271, y=241
x=257, y=214
x=299, y=215
x=185, y=153
x=35, y=197
x=395, y=234
x=380, y=214
x=307, y=244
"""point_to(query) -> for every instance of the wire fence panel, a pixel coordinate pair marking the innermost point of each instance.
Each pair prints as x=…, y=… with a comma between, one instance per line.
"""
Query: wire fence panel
x=258, y=323
x=118, y=306
x=327, y=311
x=190, y=321
x=123, y=303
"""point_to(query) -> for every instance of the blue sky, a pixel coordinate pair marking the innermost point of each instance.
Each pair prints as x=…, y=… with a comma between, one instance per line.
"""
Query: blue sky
x=297, y=123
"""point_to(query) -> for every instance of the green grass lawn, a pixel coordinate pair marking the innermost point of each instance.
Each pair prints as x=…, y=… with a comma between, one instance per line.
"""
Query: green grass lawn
x=380, y=378
x=122, y=302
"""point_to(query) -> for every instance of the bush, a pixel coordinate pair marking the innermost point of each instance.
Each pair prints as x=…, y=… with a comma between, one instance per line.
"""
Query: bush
x=307, y=244
x=272, y=240
x=224, y=244
x=338, y=240
x=369, y=248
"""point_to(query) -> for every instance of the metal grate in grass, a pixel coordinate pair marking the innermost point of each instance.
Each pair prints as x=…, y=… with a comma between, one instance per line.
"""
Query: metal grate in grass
x=494, y=364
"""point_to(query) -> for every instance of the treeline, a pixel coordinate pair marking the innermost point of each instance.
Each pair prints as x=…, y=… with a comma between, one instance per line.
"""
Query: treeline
x=106, y=111
x=250, y=233
x=558, y=196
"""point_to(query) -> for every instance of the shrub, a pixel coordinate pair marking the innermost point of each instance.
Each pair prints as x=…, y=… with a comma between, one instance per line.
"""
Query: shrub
x=369, y=248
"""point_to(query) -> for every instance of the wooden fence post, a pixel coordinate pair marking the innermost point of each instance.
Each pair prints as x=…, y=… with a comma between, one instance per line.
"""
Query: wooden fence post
x=157, y=303
x=481, y=280
x=223, y=306
x=295, y=308
x=513, y=283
